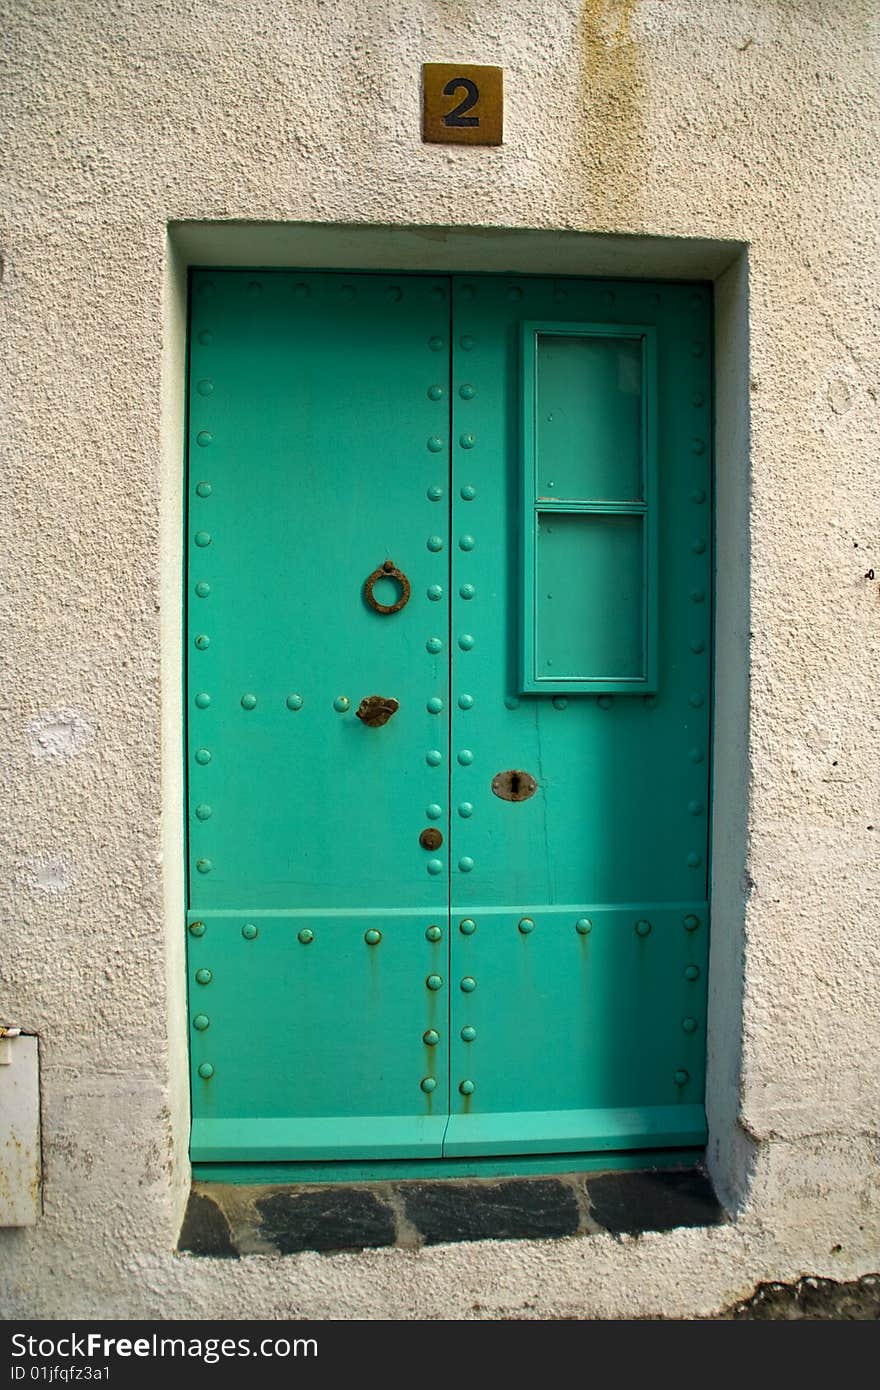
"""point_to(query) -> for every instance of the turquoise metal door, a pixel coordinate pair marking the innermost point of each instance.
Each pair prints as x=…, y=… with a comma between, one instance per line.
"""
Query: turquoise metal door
x=467, y=916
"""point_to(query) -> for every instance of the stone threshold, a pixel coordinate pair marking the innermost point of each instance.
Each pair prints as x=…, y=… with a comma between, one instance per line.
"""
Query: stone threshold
x=227, y=1220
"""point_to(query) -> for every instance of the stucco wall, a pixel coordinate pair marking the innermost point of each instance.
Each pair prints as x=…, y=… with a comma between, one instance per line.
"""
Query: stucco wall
x=751, y=122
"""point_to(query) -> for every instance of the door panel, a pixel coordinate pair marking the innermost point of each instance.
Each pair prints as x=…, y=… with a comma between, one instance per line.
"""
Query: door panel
x=340, y=421
x=579, y=1032
x=318, y=450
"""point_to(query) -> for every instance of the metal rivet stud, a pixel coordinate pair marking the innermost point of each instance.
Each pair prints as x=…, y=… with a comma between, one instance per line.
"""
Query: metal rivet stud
x=692, y=972
x=526, y=925
x=434, y=645
x=203, y=756
x=435, y=592
x=306, y=936
x=467, y=391
x=696, y=755
x=583, y=926
x=342, y=704
x=434, y=933
x=467, y=441
x=433, y=757
x=434, y=866
x=435, y=344
x=203, y=589
x=698, y=495
x=681, y=1078
x=465, y=864
x=695, y=808
x=434, y=982
x=511, y=702
x=393, y=294
x=467, y=984
x=434, y=705
x=433, y=811
x=249, y=702
x=434, y=543
x=650, y=701
x=467, y=1088
x=465, y=702
x=694, y=860
x=372, y=937
x=698, y=645
x=698, y=446
x=466, y=543
x=605, y=701
x=434, y=493
x=249, y=931
x=204, y=438
x=698, y=546
x=206, y=337
x=643, y=928
x=560, y=702
x=435, y=443
x=467, y=926
x=465, y=757
x=467, y=591
x=468, y=1033
x=466, y=642
x=435, y=392
x=691, y=922
x=201, y=1022
x=431, y=1037
x=466, y=809
x=689, y=1025
x=197, y=928
x=696, y=700
x=203, y=700
x=294, y=702
x=204, y=977
x=468, y=492
x=698, y=596
x=206, y=1071
x=203, y=642
x=202, y=538
x=466, y=342
x=204, y=489
x=428, y=1084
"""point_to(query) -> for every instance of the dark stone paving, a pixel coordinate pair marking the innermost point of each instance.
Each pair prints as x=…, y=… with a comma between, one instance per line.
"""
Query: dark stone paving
x=205, y=1229
x=631, y=1203
x=340, y=1217
x=230, y=1219
x=511, y=1210
x=856, y=1301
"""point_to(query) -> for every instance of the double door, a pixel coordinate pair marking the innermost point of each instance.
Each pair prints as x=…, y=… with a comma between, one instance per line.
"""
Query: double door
x=448, y=591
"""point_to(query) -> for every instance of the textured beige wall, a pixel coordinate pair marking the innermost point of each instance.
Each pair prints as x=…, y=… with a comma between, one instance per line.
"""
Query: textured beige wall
x=752, y=121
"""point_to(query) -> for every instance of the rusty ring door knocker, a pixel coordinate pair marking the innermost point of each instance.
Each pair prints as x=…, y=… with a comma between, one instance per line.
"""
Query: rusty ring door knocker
x=387, y=571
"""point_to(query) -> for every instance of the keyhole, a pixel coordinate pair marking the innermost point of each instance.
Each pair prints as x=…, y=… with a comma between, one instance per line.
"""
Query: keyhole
x=514, y=783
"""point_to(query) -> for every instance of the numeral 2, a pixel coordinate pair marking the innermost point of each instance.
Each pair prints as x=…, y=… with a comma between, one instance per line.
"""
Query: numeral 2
x=456, y=116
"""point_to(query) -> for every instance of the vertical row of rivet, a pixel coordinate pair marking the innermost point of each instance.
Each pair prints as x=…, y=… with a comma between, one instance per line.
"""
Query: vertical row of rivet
x=201, y=504
x=436, y=645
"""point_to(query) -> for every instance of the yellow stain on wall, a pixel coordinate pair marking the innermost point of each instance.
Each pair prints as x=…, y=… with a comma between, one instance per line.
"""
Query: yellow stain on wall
x=612, y=92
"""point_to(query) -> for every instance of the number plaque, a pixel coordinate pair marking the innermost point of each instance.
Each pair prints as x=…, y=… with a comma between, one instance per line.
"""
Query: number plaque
x=462, y=104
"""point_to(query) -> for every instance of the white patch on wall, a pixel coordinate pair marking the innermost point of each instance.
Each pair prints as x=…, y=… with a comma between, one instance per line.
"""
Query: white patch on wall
x=835, y=399
x=59, y=734
x=48, y=873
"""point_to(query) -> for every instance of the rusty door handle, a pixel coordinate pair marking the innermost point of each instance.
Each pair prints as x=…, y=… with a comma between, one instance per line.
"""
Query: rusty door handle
x=376, y=710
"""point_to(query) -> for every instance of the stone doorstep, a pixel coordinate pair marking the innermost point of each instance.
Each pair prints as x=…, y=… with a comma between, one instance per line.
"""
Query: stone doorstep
x=226, y=1220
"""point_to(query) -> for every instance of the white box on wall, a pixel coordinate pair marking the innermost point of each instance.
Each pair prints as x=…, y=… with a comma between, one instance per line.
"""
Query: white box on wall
x=20, y=1158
